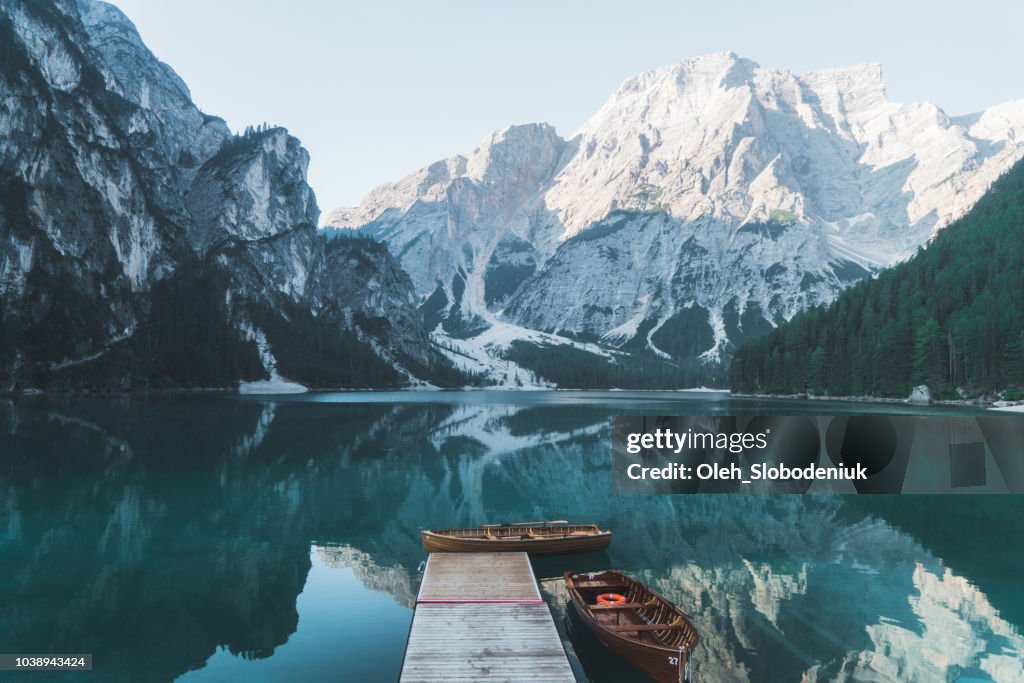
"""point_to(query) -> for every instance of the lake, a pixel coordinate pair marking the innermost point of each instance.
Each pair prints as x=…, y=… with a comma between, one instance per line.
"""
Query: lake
x=223, y=538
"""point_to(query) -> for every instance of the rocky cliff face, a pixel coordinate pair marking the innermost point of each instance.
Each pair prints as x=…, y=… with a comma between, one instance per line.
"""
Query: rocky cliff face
x=132, y=225
x=447, y=220
x=256, y=217
x=370, y=293
x=703, y=204
x=75, y=215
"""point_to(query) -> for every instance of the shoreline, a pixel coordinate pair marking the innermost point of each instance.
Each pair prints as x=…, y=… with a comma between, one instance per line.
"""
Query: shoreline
x=989, y=404
x=884, y=400
x=30, y=393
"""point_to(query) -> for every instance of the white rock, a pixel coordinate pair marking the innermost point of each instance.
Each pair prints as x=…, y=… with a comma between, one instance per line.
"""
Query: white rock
x=275, y=386
x=920, y=394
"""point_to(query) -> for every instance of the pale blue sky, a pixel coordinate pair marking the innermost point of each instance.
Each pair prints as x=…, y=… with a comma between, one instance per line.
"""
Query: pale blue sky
x=377, y=89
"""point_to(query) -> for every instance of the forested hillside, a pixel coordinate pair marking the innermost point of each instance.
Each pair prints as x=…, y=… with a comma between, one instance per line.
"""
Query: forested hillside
x=952, y=317
x=572, y=368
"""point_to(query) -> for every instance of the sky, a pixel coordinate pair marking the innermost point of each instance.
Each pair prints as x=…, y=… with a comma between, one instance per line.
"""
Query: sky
x=377, y=89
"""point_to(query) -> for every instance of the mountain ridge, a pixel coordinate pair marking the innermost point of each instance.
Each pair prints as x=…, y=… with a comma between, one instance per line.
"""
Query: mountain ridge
x=740, y=195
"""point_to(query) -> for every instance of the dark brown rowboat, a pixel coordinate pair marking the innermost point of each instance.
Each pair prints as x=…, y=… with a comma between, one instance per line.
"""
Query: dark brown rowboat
x=535, y=538
x=647, y=630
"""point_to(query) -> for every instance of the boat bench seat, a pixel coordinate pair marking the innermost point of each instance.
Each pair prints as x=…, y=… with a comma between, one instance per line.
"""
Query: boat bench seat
x=645, y=627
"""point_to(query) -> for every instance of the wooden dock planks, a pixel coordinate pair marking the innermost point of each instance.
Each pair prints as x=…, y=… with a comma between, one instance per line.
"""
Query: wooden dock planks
x=478, y=577
x=480, y=617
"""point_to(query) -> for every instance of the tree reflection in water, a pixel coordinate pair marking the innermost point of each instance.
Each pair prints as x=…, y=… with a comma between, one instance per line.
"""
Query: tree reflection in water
x=165, y=534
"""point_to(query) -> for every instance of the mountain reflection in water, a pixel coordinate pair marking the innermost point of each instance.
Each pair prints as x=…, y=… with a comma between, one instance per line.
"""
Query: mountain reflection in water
x=219, y=538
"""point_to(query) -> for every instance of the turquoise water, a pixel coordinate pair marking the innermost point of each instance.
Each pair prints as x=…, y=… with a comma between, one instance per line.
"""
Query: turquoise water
x=220, y=538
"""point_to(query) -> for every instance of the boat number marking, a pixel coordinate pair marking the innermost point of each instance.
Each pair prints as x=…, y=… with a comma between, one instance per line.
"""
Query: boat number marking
x=674, y=661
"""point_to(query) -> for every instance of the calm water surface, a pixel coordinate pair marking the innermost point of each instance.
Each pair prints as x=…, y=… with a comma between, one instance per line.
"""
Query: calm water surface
x=218, y=538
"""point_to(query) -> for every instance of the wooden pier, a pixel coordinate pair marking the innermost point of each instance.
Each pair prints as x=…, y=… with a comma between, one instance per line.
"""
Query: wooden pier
x=480, y=617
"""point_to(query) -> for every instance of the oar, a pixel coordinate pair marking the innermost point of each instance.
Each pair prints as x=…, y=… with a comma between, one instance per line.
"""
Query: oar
x=513, y=524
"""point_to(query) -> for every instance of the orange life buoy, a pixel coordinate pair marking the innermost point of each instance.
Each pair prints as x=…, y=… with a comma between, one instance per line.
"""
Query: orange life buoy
x=611, y=599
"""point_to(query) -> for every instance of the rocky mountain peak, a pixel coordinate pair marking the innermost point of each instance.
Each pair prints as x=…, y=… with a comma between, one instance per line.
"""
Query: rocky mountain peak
x=515, y=157
x=114, y=34
x=705, y=202
x=716, y=70
x=706, y=72
x=530, y=149
x=859, y=79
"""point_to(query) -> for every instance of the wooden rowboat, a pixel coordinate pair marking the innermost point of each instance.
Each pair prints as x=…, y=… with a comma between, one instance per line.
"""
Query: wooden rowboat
x=535, y=538
x=635, y=623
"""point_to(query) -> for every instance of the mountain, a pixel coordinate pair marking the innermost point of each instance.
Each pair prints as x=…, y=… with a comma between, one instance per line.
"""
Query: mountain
x=144, y=245
x=703, y=205
x=949, y=318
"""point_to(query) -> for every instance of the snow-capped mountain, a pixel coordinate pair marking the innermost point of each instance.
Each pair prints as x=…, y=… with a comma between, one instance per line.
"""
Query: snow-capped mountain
x=142, y=244
x=703, y=204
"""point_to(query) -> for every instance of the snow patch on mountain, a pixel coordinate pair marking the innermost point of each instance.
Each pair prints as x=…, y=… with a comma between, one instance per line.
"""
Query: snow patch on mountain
x=275, y=384
x=483, y=354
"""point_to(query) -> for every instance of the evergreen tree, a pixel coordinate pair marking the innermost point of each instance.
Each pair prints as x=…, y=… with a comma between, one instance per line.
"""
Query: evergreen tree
x=927, y=353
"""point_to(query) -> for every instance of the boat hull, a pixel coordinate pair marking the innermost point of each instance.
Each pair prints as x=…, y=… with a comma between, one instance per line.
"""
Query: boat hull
x=661, y=664
x=438, y=543
x=662, y=657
